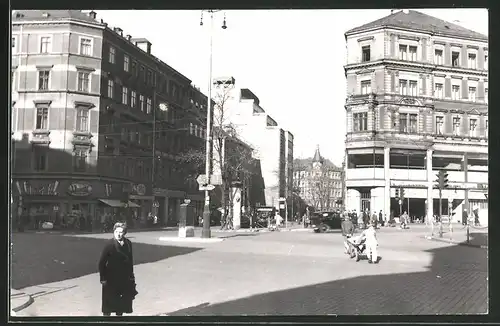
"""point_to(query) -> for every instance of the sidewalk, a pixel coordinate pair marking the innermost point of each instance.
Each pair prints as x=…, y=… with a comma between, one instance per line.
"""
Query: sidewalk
x=19, y=300
x=478, y=237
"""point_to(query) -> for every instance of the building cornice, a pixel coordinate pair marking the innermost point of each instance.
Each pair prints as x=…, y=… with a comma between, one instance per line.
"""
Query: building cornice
x=59, y=22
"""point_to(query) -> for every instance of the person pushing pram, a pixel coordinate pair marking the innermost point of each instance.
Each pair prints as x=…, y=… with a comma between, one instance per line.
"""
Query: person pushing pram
x=366, y=241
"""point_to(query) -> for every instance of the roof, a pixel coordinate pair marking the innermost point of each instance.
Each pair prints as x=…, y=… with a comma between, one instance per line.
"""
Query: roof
x=27, y=15
x=317, y=156
x=415, y=20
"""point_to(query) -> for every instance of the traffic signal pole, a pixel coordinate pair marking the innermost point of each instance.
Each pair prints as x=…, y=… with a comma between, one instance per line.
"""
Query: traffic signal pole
x=440, y=212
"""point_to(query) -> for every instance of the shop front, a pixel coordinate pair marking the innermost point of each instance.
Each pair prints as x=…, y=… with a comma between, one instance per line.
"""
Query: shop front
x=146, y=207
x=67, y=203
x=169, y=202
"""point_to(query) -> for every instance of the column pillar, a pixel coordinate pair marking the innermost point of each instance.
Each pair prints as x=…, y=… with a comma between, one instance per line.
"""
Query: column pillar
x=430, y=186
x=165, y=215
x=387, y=188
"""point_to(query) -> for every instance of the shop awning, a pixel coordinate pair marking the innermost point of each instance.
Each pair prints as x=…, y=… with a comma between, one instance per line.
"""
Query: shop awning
x=117, y=203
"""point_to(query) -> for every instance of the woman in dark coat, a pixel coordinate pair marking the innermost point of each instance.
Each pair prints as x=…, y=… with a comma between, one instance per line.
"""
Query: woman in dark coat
x=116, y=269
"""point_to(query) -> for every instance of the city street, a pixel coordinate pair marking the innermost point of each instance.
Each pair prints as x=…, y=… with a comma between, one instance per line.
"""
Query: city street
x=284, y=273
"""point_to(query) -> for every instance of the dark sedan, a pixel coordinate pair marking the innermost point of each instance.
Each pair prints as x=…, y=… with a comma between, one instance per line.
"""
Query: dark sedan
x=324, y=221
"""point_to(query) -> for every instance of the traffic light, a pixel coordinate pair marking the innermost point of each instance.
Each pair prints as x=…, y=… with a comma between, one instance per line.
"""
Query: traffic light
x=442, y=179
x=402, y=193
x=397, y=193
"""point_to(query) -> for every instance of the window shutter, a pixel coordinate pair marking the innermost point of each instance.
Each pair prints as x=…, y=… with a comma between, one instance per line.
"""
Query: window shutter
x=480, y=59
x=447, y=54
x=447, y=87
x=465, y=89
x=480, y=90
x=465, y=58
x=448, y=124
x=424, y=49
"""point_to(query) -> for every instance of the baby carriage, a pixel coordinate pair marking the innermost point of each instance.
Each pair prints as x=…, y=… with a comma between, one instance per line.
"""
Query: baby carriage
x=357, y=246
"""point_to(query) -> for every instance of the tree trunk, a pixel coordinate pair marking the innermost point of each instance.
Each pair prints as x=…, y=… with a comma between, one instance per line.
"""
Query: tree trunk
x=223, y=218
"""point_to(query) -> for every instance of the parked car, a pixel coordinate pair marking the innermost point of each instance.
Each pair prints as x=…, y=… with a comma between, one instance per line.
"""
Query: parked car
x=324, y=221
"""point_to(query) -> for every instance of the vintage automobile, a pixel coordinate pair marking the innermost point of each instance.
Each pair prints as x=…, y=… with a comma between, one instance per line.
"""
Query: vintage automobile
x=325, y=221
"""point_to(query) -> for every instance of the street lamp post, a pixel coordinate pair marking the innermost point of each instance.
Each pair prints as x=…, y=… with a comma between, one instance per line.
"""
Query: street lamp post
x=206, y=210
x=164, y=108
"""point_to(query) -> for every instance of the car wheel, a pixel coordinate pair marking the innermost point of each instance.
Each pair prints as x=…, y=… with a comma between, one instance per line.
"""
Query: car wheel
x=356, y=255
x=324, y=228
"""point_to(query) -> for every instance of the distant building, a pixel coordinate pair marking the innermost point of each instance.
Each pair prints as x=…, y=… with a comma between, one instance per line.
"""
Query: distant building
x=417, y=103
x=272, y=145
x=85, y=98
x=319, y=182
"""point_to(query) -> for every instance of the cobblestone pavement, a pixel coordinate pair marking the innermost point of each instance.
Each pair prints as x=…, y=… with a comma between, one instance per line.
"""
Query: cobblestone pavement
x=285, y=273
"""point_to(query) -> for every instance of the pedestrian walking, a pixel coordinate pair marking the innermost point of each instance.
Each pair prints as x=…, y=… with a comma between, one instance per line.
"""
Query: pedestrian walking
x=381, y=218
x=116, y=269
x=347, y=231
x=464, y=217
x=374, y=219
x=366, y=218
x=278, y=220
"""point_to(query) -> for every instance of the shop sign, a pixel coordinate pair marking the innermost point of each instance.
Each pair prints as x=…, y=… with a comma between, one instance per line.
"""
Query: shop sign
x=80, y=189
x=139, y=189
x=47, y=189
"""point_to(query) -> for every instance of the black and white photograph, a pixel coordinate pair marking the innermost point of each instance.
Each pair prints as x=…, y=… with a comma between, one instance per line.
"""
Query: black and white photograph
x=266, y=162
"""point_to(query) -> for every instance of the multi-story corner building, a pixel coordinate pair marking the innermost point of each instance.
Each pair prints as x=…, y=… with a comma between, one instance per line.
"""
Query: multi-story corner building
x=272, y=145
x=417, y=103
x=319, y=182
x=89, y=105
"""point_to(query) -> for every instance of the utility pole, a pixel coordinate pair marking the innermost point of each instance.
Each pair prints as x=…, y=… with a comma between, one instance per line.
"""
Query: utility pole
x=442, y=181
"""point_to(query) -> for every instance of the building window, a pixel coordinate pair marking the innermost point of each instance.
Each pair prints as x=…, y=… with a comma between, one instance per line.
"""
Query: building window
x=485, y=95
x=134, y=68
x=365, y=52
x=143, y=73
x=86, y=46
x=360, y=121
x=82, y=120
x=413, y=123
x=455, y=59
x=412, y=53
x=12, y=78
x=438, y=90
x=403, y=122
x=456, y=126
x=125, y=95
x=42, y=119
x=472, y=94
x=126, y=63
x=14, y=44
x=472, y=127
x=84, y=81
x=45, y=44
x=141, y=102
x=486, y=127
x=148, y=103
x=403, y=55
x=413, y=88
x=403, y=87
x=366, y=87
x=439, y=125
x=40, y=158
x=485, y=62
x=112, y=54
x=150, y=77
x=80, y=160
x=133, y=99
x=455, y=92
x=472, y=61
x=43, y=80
x=111, y=86
x=438, y=57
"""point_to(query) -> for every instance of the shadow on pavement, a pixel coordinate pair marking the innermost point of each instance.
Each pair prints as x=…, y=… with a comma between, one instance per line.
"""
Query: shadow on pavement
x=238, y=235
x=455, y=283
x=45, y=258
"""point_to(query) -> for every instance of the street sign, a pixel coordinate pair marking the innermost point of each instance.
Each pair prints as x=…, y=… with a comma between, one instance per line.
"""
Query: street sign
x=207, y=187
x=202, y=179
x=400, y=202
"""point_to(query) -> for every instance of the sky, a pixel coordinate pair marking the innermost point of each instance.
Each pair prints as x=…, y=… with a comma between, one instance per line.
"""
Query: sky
x=292, y=60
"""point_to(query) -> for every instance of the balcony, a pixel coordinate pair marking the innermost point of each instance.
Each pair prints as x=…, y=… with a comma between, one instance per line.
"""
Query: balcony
x=82, y=138
x=40, y=137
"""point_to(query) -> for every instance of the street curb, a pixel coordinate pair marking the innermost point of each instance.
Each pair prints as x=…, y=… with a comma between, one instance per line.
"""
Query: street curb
x=191, y=239
x=27, y=300
x=456, y=242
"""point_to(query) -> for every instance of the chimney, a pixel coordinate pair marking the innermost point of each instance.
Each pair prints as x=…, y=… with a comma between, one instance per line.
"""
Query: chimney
x=129, y=37
x=92, y=14
x=118, y=30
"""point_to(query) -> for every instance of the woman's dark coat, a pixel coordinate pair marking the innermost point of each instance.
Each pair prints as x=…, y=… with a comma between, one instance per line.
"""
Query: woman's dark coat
x=116, y=267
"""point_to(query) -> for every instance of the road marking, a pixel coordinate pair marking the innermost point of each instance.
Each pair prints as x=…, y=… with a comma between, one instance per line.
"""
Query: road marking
x=289, y=251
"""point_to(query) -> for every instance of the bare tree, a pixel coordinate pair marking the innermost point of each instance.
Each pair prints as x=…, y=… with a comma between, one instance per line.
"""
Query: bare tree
x=231, y=158
x=320, y=187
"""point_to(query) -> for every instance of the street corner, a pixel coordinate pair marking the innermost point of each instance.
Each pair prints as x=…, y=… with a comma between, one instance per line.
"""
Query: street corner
x=191, y=239
x=456, y=242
